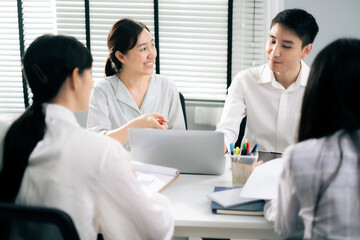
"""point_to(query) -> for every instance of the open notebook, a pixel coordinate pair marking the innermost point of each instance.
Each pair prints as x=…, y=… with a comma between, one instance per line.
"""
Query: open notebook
x=154, y=178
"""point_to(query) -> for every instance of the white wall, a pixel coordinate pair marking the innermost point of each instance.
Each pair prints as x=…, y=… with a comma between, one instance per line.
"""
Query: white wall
x=336, y=18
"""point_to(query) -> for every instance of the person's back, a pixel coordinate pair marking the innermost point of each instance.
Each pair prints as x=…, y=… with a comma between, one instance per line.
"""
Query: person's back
x=49, y=160
x=83, y=173
x=311, y=164
x=319, y=188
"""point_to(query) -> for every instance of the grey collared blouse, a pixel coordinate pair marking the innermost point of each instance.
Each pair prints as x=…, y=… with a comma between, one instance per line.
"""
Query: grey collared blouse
x=112, y=106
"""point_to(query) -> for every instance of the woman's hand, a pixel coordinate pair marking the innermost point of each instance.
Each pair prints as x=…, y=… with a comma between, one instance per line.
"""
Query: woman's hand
x=150, y=120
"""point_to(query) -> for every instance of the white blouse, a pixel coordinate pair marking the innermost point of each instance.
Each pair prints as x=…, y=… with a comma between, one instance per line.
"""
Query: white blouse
x=273, y=112
x=112, y=106
x=89, y=176
x=308, y=165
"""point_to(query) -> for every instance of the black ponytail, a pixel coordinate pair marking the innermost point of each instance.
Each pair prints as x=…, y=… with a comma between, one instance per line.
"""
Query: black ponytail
x=109, y=69
x=47, y=63
x=19, y=142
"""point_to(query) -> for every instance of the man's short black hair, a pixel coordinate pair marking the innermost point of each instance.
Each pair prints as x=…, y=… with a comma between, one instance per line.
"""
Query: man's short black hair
x=302, y=23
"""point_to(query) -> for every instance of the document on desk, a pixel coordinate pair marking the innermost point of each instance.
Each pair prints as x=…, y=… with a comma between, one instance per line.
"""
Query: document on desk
x=264, y=180
x=154, y=178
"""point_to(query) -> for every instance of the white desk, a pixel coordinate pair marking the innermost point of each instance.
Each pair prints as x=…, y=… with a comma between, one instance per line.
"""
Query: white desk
x=193, y=216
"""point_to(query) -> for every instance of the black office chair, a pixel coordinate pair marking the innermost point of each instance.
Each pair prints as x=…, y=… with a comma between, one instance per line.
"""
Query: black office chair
x=241, y=132
x=43, y=221
x=182, y=101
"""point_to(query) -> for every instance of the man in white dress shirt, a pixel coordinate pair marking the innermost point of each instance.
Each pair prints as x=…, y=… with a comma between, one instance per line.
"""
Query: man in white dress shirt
x=271, y=95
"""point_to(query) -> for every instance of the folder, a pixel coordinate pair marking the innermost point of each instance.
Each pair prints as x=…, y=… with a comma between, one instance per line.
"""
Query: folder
x=253, y=208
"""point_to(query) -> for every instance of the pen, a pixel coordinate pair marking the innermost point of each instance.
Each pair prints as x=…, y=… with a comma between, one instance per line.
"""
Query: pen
x=253, y=151
x=237, y=151
x=232, y=148
x=248, y=148
x=243, y=150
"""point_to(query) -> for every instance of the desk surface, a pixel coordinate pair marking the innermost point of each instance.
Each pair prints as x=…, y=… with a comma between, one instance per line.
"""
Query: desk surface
x=193, y=216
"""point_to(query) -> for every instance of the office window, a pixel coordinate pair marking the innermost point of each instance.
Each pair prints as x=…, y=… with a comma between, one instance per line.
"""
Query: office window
x=11, y=90
x=103, y=14
x=70, y=18
x=193, y=46
x=193, y=39
x=250, y=31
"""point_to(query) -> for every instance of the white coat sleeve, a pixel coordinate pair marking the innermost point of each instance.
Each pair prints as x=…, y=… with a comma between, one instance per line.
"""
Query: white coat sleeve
x=124, y=211
x=234, y=111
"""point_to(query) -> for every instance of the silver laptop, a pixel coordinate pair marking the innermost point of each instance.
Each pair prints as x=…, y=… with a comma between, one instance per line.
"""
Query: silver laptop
x=196, y=152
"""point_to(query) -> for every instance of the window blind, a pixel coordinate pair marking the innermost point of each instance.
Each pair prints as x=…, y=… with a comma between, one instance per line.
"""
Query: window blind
x=70, y=18
x=192, y=39
x=11, y=91
x=193, y=46
x=103, y=14
x=249, y=34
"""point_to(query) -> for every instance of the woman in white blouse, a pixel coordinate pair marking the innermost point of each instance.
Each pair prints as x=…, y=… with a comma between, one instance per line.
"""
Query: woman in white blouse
x=49, y=160
x=131, y=91
x=319, y=190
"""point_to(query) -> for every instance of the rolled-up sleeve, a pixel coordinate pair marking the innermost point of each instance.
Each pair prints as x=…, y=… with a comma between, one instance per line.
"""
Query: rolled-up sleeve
x=234, y=111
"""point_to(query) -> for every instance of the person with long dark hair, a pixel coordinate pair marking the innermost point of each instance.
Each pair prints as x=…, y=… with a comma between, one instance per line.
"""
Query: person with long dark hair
x=131, y=93
x=49, y=160
x=319, y=189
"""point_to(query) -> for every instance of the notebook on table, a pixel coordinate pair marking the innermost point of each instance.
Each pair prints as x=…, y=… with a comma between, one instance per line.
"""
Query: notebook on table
x=248, y=207
x=195, y=152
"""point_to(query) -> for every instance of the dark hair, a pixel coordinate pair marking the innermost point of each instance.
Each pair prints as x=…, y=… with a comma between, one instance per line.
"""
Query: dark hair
x=302, y=23
x=122, y=37
x=47, y=63
x=331, y=102
x=331, y=99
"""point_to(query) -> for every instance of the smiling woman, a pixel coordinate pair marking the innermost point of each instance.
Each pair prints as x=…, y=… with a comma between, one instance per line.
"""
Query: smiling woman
x=131, y=95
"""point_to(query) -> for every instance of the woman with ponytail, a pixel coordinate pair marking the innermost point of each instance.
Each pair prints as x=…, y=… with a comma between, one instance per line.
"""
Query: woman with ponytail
x=319, y=191
x=49, y=160
x=131, y=95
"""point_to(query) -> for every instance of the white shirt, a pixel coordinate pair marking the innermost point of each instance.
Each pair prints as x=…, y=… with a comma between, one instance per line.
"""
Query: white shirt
x=273, y=112
x=308, y=164
x=112, y=106
x=89, y=176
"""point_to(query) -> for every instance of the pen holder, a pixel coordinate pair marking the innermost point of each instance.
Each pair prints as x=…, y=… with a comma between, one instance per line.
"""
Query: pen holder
x=241, y=166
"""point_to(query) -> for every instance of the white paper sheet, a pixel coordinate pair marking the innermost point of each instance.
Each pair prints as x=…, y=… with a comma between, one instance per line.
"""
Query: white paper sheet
x=264, y=180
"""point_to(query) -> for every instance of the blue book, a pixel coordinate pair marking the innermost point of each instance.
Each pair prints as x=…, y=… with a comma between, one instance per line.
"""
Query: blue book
x=254, y=208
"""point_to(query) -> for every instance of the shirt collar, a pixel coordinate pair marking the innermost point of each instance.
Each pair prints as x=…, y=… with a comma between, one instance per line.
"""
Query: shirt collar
x=59, y=112
x=267, y=76
x=123, y=94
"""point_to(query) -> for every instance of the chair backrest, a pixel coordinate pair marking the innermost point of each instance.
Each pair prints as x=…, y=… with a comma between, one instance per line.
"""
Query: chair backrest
x=12, y=215
x=182, y=100
x=241, y=132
